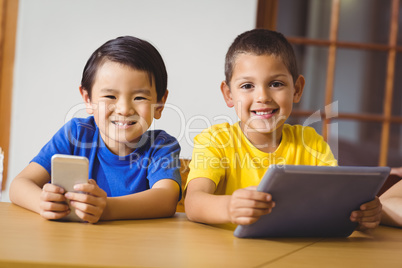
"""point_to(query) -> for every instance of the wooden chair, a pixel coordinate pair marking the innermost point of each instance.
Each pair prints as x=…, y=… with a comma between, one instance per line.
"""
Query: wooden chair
x=1, y=170
x=184, y=170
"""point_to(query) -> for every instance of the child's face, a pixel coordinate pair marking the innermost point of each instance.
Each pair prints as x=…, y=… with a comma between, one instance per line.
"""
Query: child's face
x=263, y=92
x=124, y=105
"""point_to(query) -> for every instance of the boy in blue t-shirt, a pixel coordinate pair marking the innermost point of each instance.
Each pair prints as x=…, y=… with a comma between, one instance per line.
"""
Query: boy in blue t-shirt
x=134, y=171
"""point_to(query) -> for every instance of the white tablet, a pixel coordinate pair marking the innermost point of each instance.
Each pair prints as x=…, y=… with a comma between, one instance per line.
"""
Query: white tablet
x=314, y=201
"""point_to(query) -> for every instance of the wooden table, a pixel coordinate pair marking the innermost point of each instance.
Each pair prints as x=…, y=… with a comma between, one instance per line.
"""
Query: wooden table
x=27, y=240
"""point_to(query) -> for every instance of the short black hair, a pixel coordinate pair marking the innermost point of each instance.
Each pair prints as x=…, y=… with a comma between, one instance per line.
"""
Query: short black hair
x=133, y=52
x=261, y=42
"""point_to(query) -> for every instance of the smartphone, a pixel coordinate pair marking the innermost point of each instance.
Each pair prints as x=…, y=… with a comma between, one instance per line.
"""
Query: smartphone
x=67, y=171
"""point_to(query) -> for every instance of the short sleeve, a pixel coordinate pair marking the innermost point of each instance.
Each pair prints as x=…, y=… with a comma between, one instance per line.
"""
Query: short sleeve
x=207, y=158
x=58, y=144
x=325, y=157
x=165, y=162
x=316, y=147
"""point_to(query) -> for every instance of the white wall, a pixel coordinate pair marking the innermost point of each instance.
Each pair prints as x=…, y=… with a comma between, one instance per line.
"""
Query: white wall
x=56, y=37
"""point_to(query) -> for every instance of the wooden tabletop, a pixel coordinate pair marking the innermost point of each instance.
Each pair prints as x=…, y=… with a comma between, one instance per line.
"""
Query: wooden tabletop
x=27, y=240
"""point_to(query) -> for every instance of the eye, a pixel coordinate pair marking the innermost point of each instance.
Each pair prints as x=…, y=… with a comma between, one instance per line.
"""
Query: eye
x=110, y=97
x=139, y=98
x=276, y=84
x=246, y=86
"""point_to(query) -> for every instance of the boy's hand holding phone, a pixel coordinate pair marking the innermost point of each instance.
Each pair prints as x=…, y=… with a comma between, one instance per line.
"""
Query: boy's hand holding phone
x=89, y=202
x=53, y=204
x=71, y=194
x=248, y=205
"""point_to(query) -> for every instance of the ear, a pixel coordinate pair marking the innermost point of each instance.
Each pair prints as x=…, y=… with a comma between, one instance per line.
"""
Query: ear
x=160, y=105
x=299, y=86
x=87, y=101
x=227, y=95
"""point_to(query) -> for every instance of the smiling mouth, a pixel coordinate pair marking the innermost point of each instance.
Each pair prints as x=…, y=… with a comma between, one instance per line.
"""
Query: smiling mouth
x=262, y=113
x=124, y=123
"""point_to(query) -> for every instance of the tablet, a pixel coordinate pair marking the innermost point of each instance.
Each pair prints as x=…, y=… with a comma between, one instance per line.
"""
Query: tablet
x=314, y=201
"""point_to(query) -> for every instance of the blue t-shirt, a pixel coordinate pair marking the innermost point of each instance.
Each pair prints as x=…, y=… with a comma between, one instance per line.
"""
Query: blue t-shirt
x=155, y=157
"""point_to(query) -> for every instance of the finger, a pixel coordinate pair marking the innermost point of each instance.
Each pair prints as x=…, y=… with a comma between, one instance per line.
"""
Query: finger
x=371, y=205
x=91, y=218
x=86, y=202
x=368, y=212
x=376, y=218
x=91, y=188
x=51, y=215
x=251, y=194
x=368, y=225
x=372, y=212
x=248, y=212
x=252, y=188
x=86, y=208
x=245, y=220
x=53, y=188
x=52, y=197
x=81, y=197
x=366, y=216
x=53, y=206
x=249, y=203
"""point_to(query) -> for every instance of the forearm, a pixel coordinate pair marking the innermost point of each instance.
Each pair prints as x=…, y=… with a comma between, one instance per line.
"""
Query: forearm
x=207, y=208
x=25, y=193
x=392, y=211
x=152, y=203
x=26, y=188
x=391, y=202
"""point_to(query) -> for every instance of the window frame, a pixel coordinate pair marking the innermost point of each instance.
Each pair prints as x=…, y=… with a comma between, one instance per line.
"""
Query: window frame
x=386, y=118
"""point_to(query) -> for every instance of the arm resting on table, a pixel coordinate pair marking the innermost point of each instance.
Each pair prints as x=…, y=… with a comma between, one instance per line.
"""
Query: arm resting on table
x=159, y=201
x=203, y=206
x=392, y=206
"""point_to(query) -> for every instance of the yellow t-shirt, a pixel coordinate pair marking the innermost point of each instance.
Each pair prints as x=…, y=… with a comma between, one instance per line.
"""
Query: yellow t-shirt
x=223, y=154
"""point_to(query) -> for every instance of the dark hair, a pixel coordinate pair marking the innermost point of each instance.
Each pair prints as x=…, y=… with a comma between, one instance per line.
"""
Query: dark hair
x=133, y=52
x=261, y=42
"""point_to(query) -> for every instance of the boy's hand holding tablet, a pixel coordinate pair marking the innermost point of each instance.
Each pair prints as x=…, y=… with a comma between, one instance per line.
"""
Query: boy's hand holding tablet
x=369, y=215
x=247, y=205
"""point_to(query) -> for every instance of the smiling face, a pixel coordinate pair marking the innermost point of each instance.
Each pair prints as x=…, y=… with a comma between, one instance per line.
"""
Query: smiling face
x=124, y=104
x=263, y=92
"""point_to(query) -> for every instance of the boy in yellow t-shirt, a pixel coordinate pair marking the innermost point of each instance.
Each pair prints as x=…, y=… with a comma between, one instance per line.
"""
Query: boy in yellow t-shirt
x=228, y=162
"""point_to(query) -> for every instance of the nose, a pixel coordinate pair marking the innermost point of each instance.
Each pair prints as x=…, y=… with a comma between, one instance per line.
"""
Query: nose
x=263, y=95
x=124, y=107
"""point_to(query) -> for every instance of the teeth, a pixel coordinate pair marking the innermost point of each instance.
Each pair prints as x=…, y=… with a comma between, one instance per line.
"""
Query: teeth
x=263, y=113
x=123, y=124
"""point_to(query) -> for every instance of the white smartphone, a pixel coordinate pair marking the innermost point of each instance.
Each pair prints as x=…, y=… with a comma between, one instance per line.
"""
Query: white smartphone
x=67, y=171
